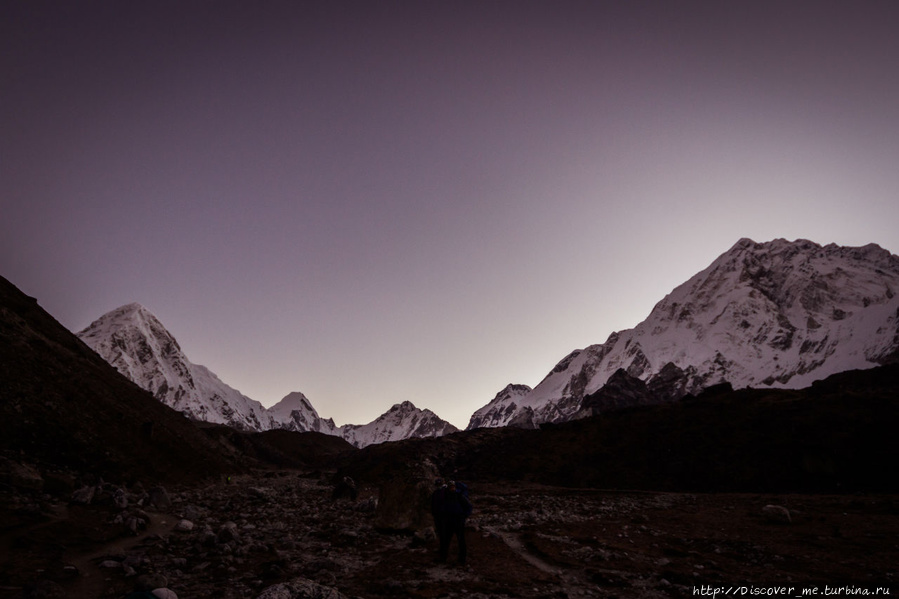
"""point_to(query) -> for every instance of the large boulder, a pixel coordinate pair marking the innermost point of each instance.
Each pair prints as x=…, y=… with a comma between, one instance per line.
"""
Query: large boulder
x=160, y=499
x=404, y=506
x=777, y=514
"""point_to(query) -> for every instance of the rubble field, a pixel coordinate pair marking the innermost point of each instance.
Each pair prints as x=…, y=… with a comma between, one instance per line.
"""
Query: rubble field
x=283, y=534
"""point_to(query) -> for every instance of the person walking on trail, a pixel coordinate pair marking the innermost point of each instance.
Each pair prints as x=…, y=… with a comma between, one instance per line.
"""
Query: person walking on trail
x=438, y=509
x=457, y=508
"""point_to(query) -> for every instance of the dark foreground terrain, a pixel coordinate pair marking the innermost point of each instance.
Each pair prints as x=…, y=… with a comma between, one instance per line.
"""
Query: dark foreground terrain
x=284, y=528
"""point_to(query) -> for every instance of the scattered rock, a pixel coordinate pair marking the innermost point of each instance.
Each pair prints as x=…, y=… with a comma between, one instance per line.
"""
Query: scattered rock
x=159, y=497
x=300, y=588
x=20, y=475
x=84, y=495
x=404, y=506
x=777, y=514
x=228, y=532
x=120, y=499
x=563, y=543
x=148, y=582
x=45, y=589
x=184, y=526
x=193, y=513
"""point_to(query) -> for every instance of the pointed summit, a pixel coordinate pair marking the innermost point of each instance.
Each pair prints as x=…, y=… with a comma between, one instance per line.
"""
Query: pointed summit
x=136, y=343
x=132, y=307
x=295, y=413
x=129, y=337
x=123, y=314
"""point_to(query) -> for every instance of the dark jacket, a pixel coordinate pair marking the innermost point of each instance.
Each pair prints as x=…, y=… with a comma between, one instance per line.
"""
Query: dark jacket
x=438, y=503
x=457, y=504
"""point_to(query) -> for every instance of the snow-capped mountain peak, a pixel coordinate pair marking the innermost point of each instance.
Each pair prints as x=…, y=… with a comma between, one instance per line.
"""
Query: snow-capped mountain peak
x=778, y=314
x=136, y=343
x=295, y=412
x=401, y=421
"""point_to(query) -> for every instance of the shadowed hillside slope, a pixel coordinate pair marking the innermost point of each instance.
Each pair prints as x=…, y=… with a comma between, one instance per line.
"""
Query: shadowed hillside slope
x=837, y=435
x=63, y=406
x=281, y=448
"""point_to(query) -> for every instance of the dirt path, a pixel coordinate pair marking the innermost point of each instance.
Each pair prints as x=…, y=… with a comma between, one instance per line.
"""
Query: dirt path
x=513, y=541
x=66, y=546
x=92, y=581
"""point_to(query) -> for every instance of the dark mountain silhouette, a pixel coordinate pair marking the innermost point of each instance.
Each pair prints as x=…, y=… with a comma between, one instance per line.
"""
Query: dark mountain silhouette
x=837, y=435
x=64, y=410
x=281, y=448
x=63, y=407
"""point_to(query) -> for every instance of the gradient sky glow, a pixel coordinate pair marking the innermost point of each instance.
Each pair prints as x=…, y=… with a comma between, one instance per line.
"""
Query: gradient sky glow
x=373, y=202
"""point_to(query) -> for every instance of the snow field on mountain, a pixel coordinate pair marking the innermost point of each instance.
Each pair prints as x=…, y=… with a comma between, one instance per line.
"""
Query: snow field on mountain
x=776, y=314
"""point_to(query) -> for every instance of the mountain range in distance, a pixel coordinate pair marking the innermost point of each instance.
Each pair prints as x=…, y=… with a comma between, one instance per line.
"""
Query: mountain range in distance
x=779, y=314
x=135, y=342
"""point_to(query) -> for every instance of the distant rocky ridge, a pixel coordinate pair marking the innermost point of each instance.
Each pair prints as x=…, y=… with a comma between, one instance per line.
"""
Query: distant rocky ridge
x=503, y=410
x=778, y=314
x=135, y=342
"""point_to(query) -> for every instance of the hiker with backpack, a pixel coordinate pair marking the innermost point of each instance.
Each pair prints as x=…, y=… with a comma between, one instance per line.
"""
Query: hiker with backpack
x=456, y=509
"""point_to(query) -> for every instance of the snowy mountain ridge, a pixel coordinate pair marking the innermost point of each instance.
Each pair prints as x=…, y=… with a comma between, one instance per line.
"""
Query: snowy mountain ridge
x=295, y=412
x=402, y=421
x=135, y=342
x=775, y=314
x=132, y=340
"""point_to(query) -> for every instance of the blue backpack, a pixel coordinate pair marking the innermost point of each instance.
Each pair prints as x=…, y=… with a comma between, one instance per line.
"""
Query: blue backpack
x=462, y=489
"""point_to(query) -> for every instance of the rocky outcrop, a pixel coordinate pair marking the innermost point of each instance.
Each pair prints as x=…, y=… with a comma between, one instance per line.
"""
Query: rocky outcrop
x=503, y=409
x=624, y=390
x=620, y=391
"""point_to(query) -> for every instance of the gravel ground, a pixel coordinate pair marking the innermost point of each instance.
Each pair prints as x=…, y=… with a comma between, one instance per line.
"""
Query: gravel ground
x=237, y=540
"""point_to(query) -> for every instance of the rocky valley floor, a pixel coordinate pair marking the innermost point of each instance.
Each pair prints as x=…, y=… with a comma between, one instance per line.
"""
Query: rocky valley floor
x=240, y=540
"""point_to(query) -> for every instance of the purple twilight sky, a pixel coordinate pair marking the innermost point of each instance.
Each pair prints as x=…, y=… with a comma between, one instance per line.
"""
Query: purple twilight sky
x=373, y=202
